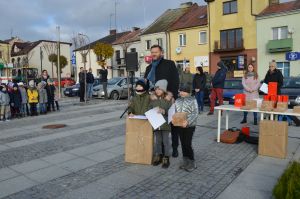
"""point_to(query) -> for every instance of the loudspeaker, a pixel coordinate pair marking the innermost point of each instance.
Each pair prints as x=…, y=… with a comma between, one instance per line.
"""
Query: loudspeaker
x=132, y=63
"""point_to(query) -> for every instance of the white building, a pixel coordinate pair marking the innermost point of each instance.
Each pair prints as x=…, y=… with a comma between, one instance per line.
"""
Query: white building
x=91, y=59
x=35, y=55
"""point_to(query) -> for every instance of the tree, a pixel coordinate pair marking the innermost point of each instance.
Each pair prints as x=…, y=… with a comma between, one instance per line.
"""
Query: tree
x=51, y=50
x=63, y=61
x=103, y=52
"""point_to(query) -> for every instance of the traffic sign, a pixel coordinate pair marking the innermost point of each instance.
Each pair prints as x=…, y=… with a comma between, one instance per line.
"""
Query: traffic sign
x=73, y=59
x=292, y=56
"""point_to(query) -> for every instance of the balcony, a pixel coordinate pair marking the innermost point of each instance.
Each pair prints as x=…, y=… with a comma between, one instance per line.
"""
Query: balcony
x=237, y=46
x=281, y=45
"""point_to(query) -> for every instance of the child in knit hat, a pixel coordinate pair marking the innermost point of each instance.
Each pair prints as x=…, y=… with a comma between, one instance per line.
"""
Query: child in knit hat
x=187, y=104
x=4, y=103
x=139, y=104
x=43, y=98
x=33, y=98
x=24, y=107
x=159, y=100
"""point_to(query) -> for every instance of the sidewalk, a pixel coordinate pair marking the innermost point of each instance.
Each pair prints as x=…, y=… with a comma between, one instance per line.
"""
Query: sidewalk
x=259, y=178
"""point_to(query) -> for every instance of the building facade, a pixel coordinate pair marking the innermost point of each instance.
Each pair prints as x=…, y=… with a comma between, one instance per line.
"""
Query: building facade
x=35, y=55
x=189, y=42
x=5, y=72
x=280, y=40
x=232, y=28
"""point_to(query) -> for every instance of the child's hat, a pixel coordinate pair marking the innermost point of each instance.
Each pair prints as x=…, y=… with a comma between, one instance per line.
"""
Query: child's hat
x=142, y=84
x=20, y=84
x=31, y=83
x=15, y=85
x=185, y=87
x=162, y=85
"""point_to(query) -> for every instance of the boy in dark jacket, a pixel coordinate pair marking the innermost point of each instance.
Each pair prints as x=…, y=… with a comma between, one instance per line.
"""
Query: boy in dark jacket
x=217, y=87
x=199, y=84
x=140, y=102
x=274, y=75
x=51, y=95
x=159, y=100
x=16, y=101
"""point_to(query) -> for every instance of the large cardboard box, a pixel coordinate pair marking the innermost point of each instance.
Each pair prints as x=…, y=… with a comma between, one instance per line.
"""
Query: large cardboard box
x=179, y=118
x=273, y=136
x=139, y=141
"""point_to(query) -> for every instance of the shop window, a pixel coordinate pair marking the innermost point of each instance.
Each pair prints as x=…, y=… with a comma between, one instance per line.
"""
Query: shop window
x=280, y=33
x=230, y=7
x=284, y=67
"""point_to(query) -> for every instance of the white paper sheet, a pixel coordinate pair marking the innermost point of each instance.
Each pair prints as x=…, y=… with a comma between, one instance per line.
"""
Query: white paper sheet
x=264, y=88
x=171, y=112
x=156, y=119
x=138, y=117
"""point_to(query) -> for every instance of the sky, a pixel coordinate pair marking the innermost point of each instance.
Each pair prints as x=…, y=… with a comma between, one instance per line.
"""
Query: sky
x=32, y=20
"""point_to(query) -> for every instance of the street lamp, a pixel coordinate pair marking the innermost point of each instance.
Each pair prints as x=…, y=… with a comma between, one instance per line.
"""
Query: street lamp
x=84, y=64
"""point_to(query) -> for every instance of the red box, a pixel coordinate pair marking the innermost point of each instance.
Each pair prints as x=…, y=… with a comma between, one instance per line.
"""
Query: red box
x=273, y=98
x=246, y=131
x=285, y=98
x=272, y=88
x=239, y=100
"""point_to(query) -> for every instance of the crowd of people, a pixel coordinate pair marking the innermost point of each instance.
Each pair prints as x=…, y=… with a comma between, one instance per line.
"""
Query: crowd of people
x=18, y=99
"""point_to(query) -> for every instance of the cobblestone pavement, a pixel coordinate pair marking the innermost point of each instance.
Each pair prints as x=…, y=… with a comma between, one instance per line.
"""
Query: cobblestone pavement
x=85, y=160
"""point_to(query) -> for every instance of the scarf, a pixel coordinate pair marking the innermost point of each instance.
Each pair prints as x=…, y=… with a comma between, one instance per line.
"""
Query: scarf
x=250, y=74
x=151, y=75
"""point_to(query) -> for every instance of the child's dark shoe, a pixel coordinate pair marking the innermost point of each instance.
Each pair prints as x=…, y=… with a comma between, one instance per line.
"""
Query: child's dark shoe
x=157, y=160
x=165, y=162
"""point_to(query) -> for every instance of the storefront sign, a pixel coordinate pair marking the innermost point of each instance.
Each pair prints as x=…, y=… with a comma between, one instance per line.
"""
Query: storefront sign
x=238, y=73
x=241, y=62
x=292, y=56
x=201, y=61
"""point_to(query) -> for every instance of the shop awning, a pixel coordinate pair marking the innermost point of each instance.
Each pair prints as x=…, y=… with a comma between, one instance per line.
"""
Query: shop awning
x=1, y=65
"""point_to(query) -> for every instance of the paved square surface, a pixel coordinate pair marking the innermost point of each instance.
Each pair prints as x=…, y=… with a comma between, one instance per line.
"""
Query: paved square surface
x=85, y=160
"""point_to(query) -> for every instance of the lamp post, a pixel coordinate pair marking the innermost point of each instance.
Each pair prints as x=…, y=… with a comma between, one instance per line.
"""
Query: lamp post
x=84, y=64
x=58, y=62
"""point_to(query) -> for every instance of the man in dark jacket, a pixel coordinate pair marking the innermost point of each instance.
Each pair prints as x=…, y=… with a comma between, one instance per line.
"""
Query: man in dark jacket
x=274, y=75
x=82, y=84
x=159, y=69
x=90, y=82
x=103, y=79
x=217, y=87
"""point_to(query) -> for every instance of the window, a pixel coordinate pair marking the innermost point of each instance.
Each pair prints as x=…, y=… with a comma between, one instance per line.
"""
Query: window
x=203, y=37
x=280, y=33
x=181, y=64
x=231, y=39
x=118, y=56
x=182, y=39
x=284, y=67
x=1, y=55
x=230, y=7
x=160, y=42
x=148, y=44
x=133, y=50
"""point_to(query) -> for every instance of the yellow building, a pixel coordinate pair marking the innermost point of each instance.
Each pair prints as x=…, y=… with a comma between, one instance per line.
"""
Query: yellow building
x=188, y=39
x=233, y=33
x=4, y=61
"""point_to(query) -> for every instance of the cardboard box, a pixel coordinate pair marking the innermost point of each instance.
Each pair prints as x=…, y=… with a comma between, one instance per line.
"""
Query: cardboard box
x=250, y=104
x=273, y=139
x=139, y=142
x=281, y=107
x=267, y=106
x=296, y=109
x=179, y=118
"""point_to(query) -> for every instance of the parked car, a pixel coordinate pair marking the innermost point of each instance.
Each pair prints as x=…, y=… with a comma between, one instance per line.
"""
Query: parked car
x=65, y=82
x=117, y=88
x=291, y=87
x=232, y=87
x=72, y=91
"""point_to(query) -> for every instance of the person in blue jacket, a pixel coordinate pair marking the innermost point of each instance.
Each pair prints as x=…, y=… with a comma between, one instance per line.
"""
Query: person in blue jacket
x=217, y=87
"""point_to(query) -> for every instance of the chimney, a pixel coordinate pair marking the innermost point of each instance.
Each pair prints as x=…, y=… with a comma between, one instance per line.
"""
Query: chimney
x=186, y=4
x=113, y=32
x=135, y=29
x=274, y=2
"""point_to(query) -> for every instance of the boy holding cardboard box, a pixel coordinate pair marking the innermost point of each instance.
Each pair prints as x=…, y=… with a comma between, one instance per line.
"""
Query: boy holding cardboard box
x=185, y=120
